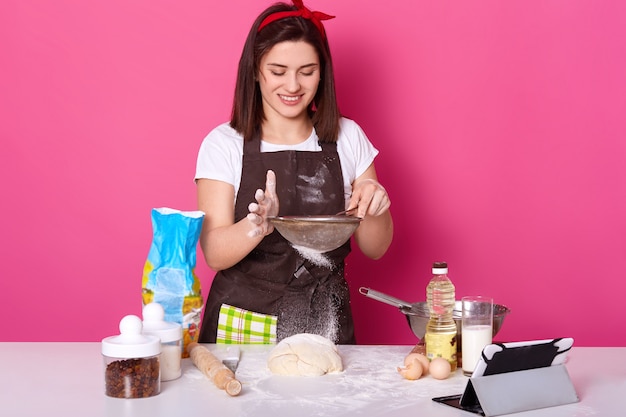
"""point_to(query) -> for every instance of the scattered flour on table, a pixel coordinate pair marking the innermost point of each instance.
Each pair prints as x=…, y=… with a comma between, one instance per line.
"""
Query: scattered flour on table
x=368, y=385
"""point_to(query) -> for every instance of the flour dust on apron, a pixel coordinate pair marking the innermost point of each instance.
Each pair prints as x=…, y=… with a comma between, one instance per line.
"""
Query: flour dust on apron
x=321, y=318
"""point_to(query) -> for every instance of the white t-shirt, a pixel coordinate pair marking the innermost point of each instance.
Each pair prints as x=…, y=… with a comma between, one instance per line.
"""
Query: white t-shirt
x=221, y=153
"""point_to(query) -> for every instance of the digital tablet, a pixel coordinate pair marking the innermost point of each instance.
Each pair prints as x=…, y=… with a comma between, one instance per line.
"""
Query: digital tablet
x=500, y=358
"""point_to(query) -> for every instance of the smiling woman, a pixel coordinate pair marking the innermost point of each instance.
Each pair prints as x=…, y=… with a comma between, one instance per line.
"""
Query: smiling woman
x=294, y=155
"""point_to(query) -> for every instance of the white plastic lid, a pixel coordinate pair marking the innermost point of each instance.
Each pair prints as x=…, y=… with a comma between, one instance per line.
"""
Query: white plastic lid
x=440, y=268
x=154, y=324
x=130, y=343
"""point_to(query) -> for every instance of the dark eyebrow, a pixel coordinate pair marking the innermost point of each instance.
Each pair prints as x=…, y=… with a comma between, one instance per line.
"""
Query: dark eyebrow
x=313, y=64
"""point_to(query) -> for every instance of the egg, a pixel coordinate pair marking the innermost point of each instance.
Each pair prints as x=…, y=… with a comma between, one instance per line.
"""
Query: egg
x=415, y=365
x=412, y=370
x=420, y=358
x=440, y=368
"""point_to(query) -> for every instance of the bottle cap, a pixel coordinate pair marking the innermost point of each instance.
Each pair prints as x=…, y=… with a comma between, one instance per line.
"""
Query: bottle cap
x=130, y=343
x=440, y=268
x=155, y=325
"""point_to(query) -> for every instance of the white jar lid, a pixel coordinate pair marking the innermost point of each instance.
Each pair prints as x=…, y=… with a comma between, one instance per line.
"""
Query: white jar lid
x=131, y=343
x=155, y=325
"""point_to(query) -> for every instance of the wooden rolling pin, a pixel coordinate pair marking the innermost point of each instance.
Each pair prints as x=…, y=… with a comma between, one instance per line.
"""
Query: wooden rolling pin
x=214, y=369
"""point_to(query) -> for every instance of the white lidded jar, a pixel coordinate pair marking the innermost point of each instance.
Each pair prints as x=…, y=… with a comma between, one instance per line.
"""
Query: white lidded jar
x=131, y=361
x=171, y=336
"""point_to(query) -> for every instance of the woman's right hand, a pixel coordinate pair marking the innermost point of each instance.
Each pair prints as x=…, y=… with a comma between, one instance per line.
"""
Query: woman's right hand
x=266, y=206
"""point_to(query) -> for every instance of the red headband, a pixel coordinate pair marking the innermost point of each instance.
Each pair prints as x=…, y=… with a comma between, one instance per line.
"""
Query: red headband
x=315, y=17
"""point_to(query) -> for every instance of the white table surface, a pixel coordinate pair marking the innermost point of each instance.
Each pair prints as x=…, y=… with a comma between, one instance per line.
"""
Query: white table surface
x=67, y=379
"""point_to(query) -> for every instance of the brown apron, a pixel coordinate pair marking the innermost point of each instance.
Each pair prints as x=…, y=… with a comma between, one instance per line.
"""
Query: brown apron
x=273, y=278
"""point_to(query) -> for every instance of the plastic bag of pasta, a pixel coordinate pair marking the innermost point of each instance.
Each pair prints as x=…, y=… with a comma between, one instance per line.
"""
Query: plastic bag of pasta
x=169, y=276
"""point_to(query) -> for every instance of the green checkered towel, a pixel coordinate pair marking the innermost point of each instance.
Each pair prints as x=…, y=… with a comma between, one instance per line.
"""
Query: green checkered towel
x=236, y=325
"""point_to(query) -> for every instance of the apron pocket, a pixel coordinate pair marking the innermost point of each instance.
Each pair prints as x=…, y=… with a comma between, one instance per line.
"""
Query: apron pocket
x=236, y=325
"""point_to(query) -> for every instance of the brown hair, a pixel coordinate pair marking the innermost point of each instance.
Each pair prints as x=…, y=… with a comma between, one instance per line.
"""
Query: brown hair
x=247, y=114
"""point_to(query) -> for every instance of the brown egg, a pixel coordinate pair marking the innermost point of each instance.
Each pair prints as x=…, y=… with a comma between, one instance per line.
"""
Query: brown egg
x=412, y=370
x=440, y=368
x=419, y=357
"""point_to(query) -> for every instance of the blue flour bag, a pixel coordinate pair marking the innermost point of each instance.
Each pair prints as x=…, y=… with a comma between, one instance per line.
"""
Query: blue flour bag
x=169, y=276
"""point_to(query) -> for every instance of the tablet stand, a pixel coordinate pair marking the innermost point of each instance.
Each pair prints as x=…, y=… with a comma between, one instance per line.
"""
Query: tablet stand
x=518, y=391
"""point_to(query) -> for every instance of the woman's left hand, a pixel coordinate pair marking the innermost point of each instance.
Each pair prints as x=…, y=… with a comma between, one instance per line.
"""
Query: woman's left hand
x=370, y=197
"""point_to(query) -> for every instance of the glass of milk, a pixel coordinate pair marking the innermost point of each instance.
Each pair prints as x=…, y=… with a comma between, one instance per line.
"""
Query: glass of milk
x=476, y=329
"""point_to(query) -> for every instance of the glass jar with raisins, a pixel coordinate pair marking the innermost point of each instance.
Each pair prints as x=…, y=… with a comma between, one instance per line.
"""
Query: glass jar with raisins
x=131, y=362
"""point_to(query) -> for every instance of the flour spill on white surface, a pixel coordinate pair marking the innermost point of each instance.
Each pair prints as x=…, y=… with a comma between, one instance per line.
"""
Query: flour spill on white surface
x=369, y=385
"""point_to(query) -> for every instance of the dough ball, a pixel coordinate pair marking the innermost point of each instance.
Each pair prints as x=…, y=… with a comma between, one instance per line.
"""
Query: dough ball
x=305, y=354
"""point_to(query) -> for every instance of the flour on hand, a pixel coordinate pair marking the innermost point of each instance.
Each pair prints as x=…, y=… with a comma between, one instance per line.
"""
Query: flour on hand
x=305, y=354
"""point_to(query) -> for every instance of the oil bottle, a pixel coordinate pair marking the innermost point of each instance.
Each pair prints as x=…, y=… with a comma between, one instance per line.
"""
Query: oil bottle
x=441, y=329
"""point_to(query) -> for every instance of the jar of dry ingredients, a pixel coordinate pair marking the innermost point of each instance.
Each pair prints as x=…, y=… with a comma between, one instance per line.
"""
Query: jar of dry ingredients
x=171, y=336
x=131, y=361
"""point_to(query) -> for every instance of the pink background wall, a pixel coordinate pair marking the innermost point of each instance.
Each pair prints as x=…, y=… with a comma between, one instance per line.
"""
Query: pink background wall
x=501, y=126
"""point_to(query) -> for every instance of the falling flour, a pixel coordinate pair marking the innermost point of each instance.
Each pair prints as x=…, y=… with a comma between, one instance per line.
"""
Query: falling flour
x=314, y=256
x=323, y=319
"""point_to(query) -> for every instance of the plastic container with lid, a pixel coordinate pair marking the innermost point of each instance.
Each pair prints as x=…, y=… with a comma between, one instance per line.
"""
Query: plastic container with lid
x=171, y=336
x=131, y=362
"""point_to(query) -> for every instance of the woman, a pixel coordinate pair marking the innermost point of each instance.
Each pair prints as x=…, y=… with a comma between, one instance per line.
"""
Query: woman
x=286, y=151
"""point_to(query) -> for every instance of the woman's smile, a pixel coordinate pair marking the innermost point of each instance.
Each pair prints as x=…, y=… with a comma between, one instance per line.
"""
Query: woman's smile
x=290, y=100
